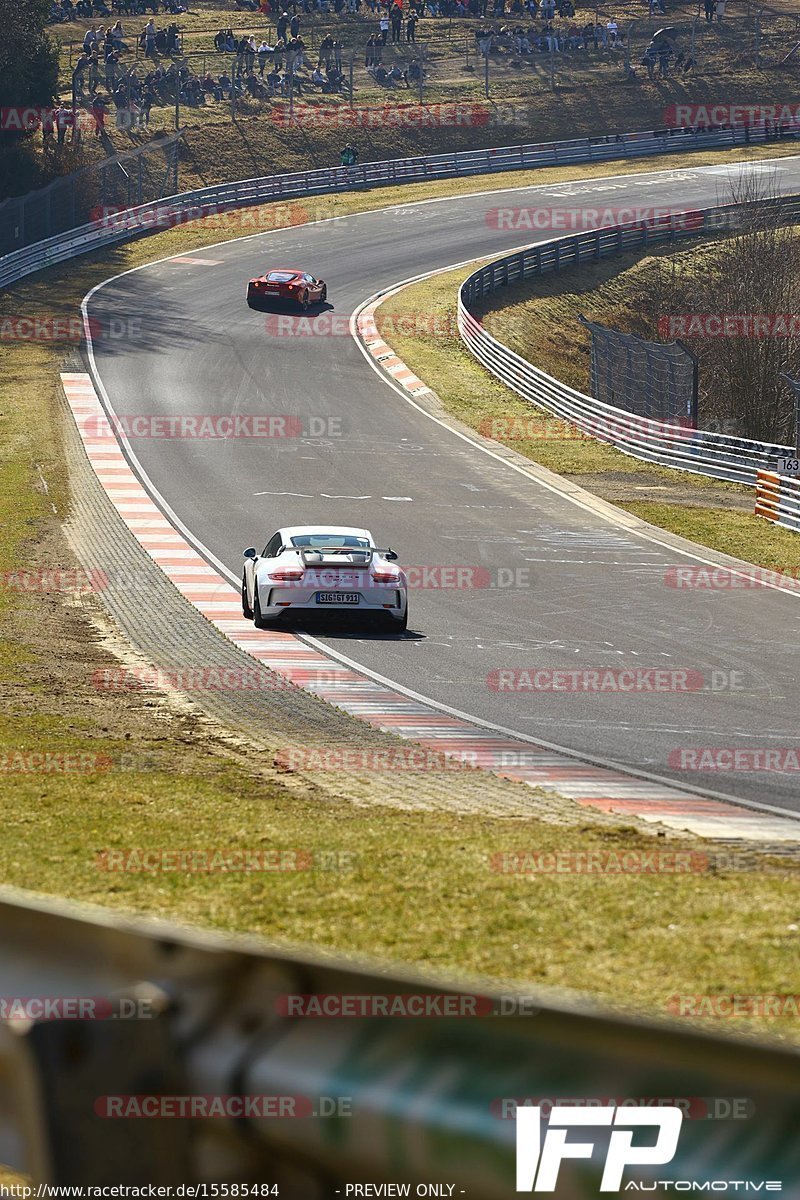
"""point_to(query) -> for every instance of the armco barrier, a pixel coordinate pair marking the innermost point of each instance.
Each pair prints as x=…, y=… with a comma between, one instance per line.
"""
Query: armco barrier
x=28, y=259
x=720, y=456
x=410, y=1097
x=778, y=499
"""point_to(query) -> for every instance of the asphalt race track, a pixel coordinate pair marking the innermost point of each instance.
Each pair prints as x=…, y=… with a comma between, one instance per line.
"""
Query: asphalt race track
x=590, y=595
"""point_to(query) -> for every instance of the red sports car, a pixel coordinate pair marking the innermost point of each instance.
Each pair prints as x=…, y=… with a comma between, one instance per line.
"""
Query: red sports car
x=286, y=286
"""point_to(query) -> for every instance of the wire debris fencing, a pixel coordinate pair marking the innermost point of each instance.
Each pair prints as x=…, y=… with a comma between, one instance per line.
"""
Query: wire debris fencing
x=49, y=248
x=648, y=378
x=393, y=1076
x=136, y=177
x=720, y=456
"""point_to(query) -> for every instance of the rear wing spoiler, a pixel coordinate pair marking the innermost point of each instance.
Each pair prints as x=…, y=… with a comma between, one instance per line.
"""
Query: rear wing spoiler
x=311, y=556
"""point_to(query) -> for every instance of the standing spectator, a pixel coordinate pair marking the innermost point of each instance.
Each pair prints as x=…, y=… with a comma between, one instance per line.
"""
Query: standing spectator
x=94, y=72
x=98, y=111
x=397, y=22
x=484, y=36
x=283, y=25
x=612, y=29
x=79, y=75
x=708, y=8
x=294, y=26
x=384, y=28
x=325, y=51
x=370, y=51
x=411, y=27
x=149, y=34
x=720, y=9
x=263, y=54
x=60, y=123
x=146, y=104
x=111, y=63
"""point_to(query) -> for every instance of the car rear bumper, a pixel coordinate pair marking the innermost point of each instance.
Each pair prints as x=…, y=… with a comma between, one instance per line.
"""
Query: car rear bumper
x=277, y=600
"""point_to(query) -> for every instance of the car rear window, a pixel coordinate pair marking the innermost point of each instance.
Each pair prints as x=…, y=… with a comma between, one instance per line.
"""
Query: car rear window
x=330, y=539
x=280, y=276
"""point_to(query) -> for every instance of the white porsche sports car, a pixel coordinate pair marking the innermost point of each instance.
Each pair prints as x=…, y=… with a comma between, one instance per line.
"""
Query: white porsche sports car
x=323, y=568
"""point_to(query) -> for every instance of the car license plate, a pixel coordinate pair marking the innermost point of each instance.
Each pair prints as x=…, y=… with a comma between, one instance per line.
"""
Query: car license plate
x=337, y=597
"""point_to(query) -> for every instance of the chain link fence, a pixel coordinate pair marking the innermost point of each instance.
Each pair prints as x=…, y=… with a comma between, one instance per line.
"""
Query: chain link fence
x=118, y=182
x=647, y=378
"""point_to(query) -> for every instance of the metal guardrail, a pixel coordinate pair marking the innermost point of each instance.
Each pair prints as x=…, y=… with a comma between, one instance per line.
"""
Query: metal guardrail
x=135, y=221
x=778, y=499
x=721, y=456
x=174, y=1012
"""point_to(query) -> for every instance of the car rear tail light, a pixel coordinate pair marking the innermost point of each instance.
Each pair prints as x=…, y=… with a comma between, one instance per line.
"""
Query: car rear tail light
x=384, y=577
x=290, y=573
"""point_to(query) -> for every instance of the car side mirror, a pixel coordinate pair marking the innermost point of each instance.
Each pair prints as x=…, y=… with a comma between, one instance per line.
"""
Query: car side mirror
x=390, y=556
x=250, y=552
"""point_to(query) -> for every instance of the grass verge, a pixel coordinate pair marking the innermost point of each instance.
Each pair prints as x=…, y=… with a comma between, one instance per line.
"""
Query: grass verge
x=415, y=887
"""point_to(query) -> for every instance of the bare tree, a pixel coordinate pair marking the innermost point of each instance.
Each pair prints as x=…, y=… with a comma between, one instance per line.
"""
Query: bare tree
x=753, y=276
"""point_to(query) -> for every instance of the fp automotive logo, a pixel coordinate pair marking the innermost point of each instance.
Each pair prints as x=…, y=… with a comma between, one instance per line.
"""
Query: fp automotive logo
x=538, y=1162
